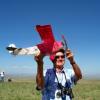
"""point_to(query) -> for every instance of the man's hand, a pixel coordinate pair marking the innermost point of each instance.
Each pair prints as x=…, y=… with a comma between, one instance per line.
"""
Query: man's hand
x=39, y=58
x=69, y=53
x=70, y=56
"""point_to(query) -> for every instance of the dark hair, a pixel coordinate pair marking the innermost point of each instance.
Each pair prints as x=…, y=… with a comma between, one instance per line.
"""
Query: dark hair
x=61, y=50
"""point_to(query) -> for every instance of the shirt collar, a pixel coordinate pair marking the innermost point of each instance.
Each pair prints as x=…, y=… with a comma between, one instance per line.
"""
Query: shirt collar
x=59, y=71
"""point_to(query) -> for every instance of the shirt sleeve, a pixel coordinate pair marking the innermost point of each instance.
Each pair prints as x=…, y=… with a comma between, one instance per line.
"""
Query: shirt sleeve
x=72, y=76
x=46, y=77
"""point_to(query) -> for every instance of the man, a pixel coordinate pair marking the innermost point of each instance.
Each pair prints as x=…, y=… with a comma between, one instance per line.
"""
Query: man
x=56, y=83
x=2, y=74
x=52, y=87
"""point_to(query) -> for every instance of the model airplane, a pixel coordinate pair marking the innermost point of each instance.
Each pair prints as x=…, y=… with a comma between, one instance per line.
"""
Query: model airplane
x=48, y=45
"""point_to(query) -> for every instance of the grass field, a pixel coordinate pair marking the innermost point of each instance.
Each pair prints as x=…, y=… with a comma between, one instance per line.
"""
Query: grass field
x=25, y=90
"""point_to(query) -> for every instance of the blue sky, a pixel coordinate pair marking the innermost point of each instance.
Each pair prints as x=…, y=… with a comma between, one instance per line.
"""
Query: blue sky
x=78, y=20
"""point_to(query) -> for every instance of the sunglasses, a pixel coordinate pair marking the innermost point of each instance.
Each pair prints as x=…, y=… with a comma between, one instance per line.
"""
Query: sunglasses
x=57, y=57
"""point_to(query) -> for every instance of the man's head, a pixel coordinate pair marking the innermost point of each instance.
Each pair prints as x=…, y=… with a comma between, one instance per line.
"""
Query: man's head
x=59, y=58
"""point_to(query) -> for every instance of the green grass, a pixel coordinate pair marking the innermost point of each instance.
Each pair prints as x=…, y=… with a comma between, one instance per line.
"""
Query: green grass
x=18, y=91
x=25, y=90
x=87, y=90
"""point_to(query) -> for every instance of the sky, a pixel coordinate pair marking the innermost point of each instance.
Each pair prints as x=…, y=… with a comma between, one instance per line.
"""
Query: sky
x=77, y=20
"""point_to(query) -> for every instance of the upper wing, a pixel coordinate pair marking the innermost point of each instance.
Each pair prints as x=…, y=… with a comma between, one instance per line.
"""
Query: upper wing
x=45, y=32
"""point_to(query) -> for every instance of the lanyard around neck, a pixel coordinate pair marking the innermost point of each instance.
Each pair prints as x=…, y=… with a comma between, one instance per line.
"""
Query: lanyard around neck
x=57, y=77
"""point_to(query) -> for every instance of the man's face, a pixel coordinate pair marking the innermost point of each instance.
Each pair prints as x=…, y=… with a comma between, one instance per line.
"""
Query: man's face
x=59, y=60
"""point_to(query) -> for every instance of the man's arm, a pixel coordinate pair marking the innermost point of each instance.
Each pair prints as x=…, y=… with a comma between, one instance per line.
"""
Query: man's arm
x=39, y=76
x=75, y=67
